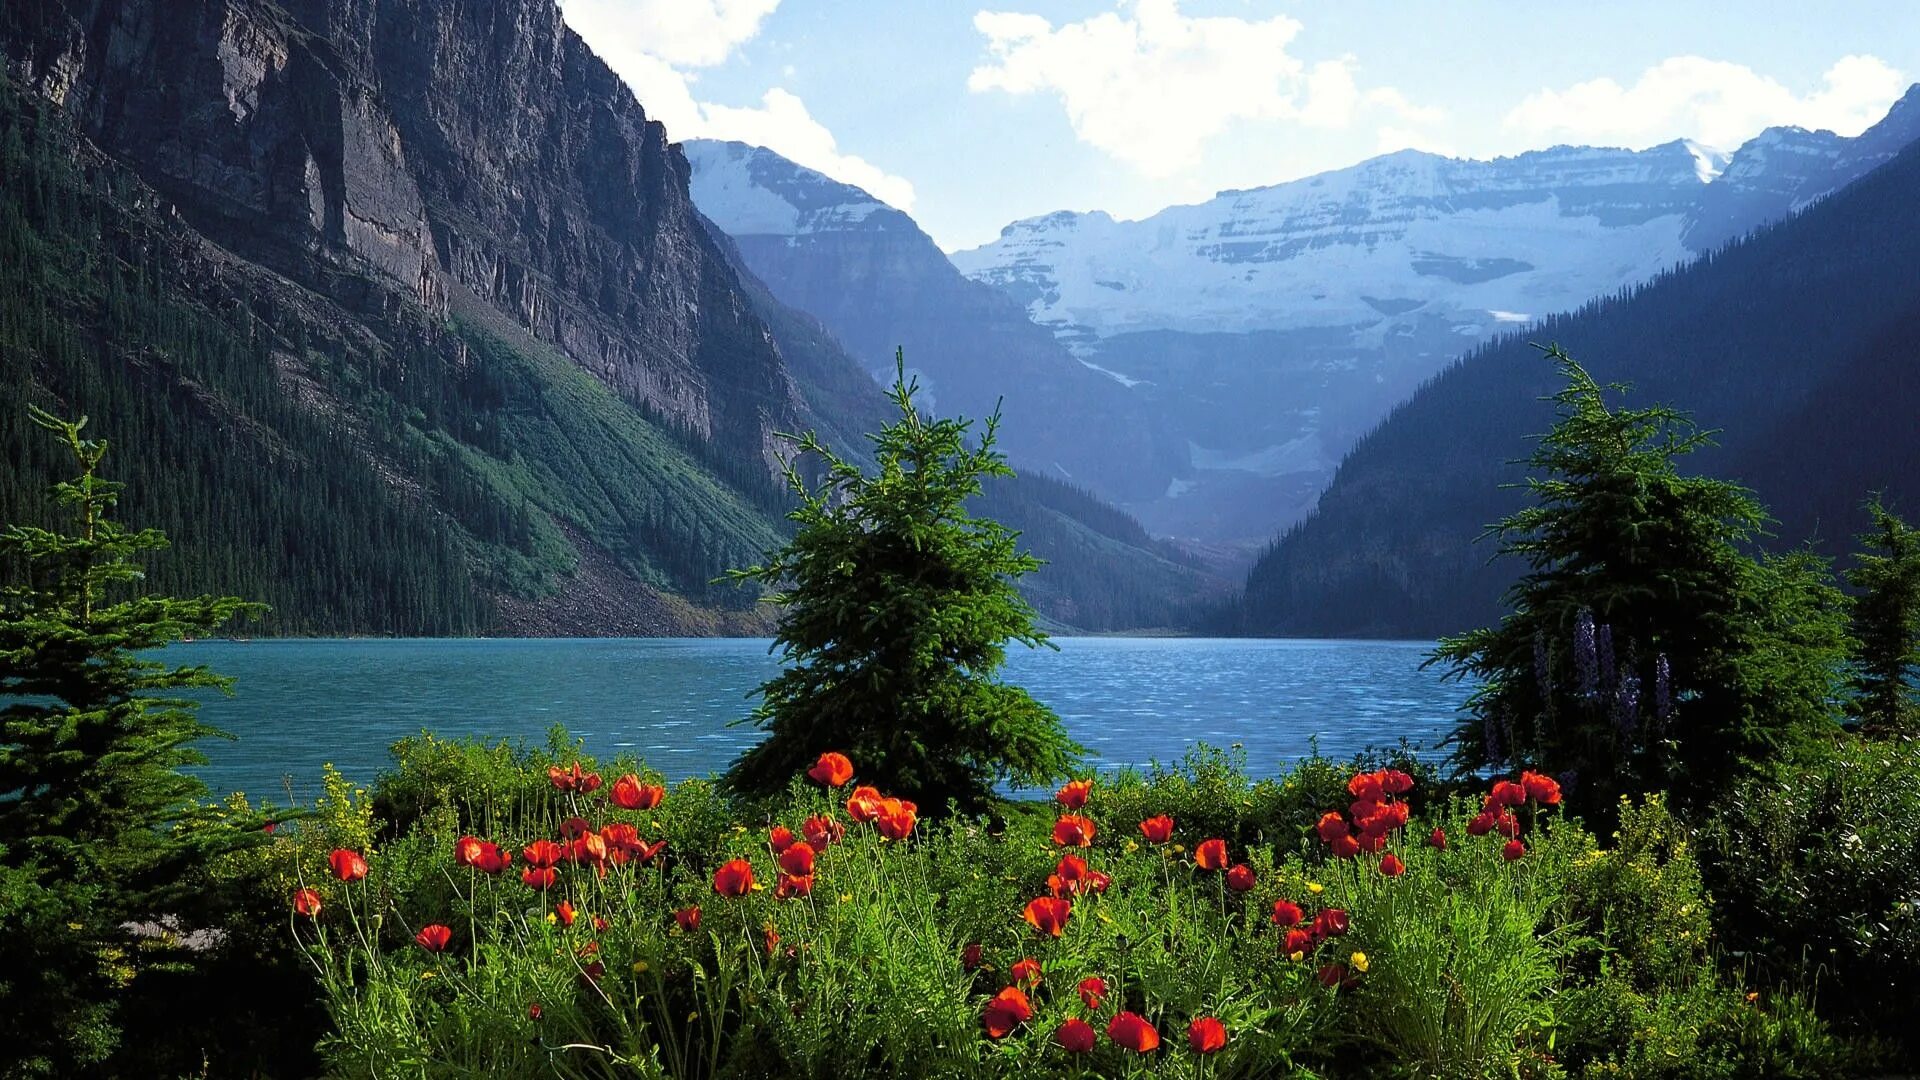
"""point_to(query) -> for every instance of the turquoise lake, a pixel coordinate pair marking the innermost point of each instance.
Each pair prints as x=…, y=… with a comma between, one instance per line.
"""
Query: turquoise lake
x=301, y=703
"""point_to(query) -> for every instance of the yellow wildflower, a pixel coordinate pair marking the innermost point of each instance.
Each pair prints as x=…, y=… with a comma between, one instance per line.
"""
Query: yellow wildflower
x=639, y=967
x=1315, y=887
x=1358, y=961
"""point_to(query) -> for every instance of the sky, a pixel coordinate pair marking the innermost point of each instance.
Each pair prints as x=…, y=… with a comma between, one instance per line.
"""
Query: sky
x=970, y=116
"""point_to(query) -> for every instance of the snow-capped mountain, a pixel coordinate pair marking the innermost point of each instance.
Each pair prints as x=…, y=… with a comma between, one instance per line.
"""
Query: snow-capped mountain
x=878, y=283
x=1272, y=327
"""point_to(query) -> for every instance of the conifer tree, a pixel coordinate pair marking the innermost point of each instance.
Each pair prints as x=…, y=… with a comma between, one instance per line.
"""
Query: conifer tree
x=1646, y=647
x=92, y=739
x=1886, y=625
x=896, y=609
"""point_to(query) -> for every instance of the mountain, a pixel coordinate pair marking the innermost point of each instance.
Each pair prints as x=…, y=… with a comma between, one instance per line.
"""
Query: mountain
x=1271, y=328
x=401, y=319
x=1800, y=342
x=879, y=283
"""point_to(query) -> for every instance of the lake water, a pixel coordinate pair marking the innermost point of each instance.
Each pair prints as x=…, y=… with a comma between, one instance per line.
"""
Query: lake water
x=299, y=704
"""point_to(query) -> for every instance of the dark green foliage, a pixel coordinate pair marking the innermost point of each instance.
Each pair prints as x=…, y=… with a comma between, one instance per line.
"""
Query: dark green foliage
x=897, y=607
x=1646, y=648
x=92, y=738
x=1886, y=625
x=1815, y=874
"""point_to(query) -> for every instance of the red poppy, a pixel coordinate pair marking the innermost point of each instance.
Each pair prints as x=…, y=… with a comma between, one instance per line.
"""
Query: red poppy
x=1211, y=855
x=896, y=819
x=1541, y=788
x=563, y=912
x=1068, y=876
x=1240, y=878
x=832, y=770
x=1287, y=913
x=1331, y=826
x=1391, y=866
x=1093, y=990
x=646, y=852
x=1298, y=941
x=1345, y=847
x=1373, y=843
x=1331, y=922
x=780, y=838
x=593, y=971
x=1131, y=1031
x=533, y=1011
x=1507, y=793
x=1008, y=1010
x=1075, y=1036
x=797, y=859
x=588, y=847
x=1073, y=794
x=1481, y=825
x=1096, y=882
x=864, y=804
x=1206, y=1035
x=1512, y=850
x=1395, y=782
x=572, y=779
x=599, y=923
x=1437, y=839
x=434, y=937
x=734, y=878
x=540, y=877
x=1026, y=970
x=347, y=865
x=1507, y=824
x=306, y=902
x=770, y=937
x=492, y=859
x=821, y=830
x=1157, y=829
x=688, y=918
x=1333, y=975
x=1367, y=786
x=467, y=849
x=792, y=885
x=1047, y=914
x=574, y=827
x=628, y=793
x=970, y=957
x=1073, y=830
x=269, y=827
x=543, y=852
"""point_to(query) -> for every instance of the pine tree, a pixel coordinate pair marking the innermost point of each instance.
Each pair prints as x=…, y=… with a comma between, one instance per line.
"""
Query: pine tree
x=92, y=740
x=1886, y=625
x=1646, y=647
x=897, y=607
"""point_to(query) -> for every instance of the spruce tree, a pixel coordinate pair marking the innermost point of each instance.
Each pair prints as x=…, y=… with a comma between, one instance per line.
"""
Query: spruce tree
x=1886, y=625
x=897, y=606
x=1647, y=646
x=92, y=739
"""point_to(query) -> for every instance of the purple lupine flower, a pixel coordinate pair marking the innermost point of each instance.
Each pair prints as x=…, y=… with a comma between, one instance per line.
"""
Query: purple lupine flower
x=1662, y=688
x=1493, y=744
x=1585, y=663
x=1603, y=655
x=1626, y=705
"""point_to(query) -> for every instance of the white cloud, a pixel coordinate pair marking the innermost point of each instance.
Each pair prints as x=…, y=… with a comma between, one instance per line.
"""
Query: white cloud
x=1718, y=103
x=1151, y=86
x=655, y=44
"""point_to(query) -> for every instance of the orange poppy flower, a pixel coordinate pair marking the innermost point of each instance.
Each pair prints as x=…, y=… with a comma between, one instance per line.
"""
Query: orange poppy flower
x=1206, y=1035
x=543, y=853
x=1008, y=1010
x=896, y=818
x=1157, y=829
x=832, y=770
x=797, y=859
x=347, y=865
x=1048, y=914
x=1093, y=990
x=540, y=877
x=735, y=878
x=1072, y=830
x=1075, y=1036
x=1211, y=855
x=434, y=937
x=1073, y=794
x=1131, y=1031
x=1541, y=788
x=1026, y=970
x=564, y=913
x=688, y=918
x=1391, y=866
x=306, y=902
x=628, y=793
x=864, y=804
x=792, y=885
x=821, y=830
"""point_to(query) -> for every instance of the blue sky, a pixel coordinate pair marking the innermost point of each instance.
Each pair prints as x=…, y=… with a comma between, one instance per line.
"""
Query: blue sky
x=971, y=115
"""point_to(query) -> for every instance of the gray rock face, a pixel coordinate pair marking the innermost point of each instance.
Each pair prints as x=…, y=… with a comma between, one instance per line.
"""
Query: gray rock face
x=418, y=152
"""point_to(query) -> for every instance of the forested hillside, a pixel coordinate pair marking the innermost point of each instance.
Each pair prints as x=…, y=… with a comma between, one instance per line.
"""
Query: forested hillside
x=1801, y=343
